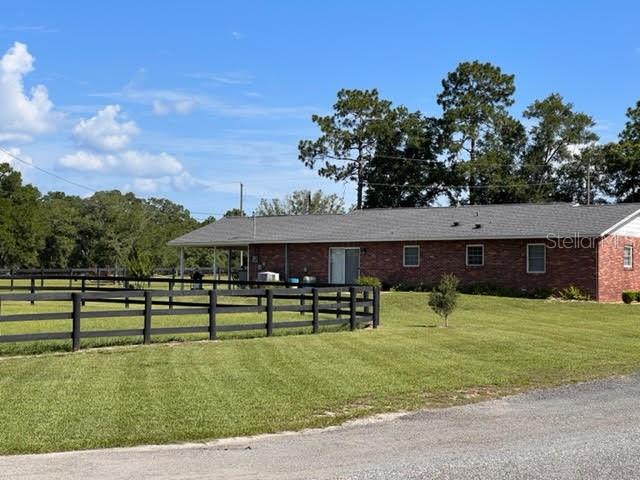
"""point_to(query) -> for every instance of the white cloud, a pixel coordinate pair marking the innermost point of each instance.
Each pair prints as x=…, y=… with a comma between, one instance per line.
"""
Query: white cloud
x=86, y=161
x=165, y=102
x=29, y=29
x=104, y=131
x=22, y=115
x=226, y=78
x=10, y=157
x=237, y=35
x=129, y=162
x=143, y=185
x=166, y=107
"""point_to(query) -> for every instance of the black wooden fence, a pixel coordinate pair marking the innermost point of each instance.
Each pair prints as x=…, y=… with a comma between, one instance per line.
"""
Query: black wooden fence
x=34, y=280
x=351, y=306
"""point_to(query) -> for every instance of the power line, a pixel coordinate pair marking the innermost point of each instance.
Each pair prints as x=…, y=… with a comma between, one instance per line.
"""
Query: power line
x=418, y=159
x=404, y=185
x=47, y=172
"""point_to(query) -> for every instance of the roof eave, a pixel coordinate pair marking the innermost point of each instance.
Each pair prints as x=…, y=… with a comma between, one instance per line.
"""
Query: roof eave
x=247, y=242
x=622, y=222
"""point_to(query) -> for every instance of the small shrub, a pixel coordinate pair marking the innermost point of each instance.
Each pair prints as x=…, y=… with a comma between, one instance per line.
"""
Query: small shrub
x=630, y=296
x=444, y=297
x=411, y=287
x=491, y=289
x=139, y=266
x=542, y=293
x=369, y=281
x=573, y=293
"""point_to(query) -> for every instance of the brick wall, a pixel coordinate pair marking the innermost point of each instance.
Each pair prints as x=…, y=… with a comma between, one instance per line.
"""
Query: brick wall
x=505, y=263
x=613, y=278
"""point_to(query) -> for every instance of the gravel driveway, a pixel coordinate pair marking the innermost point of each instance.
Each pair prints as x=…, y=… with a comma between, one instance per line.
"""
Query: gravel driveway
x=589, y=430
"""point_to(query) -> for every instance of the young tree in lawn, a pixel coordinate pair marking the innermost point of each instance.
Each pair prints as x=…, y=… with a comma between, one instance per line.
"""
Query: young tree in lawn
x=301, y=202
x=349, y=137
x=444, y=297
x=474, y=99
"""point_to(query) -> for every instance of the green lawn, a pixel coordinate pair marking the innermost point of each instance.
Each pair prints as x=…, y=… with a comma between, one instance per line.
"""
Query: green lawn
x=195, y=391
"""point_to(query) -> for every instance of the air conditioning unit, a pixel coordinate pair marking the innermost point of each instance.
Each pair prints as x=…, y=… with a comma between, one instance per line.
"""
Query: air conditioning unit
x=268, y=277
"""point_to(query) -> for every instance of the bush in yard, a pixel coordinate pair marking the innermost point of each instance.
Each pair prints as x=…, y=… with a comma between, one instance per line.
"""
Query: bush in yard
x=630, y=296
x=369, y=281
x=444, y=297
x=491, y=289
x=542, y=293
x=139, y=266
x=573, y=293
x=411, y=287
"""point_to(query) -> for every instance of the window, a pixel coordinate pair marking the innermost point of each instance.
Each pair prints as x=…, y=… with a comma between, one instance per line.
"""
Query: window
x=628, y=256
x=536, y=258
x=411, y=256
x=475, y=255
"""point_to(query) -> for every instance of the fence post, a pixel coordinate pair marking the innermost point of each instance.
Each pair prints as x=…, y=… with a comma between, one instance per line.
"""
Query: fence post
x=148, y=305
x=70, y=278
x=269, y=312
x=41, y=277
x=302, y=302
x=11, y=273
x=75, y=329
x=126, y=299
x=376, y=307
x=170, y=296
x=213, y=302
x=98, y=275
x=352, y=308
x=365, y=297
x=315, y=308
x=33, y=289
x=83, y=287
x=338, y=301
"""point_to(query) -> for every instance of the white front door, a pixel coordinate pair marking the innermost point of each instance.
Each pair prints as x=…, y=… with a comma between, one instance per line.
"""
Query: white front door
x=344, y=265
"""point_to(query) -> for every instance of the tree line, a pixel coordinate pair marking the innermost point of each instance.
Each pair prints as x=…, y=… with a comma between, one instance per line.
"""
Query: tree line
x=477, y=151
x=108, y=228
x=115, y=229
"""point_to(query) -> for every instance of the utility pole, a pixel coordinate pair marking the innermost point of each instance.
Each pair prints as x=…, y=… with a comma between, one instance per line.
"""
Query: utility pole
x=589, y=181
x=241, y=195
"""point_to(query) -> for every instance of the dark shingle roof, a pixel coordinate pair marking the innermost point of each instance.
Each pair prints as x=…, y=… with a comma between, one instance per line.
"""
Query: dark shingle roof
x=406, y=224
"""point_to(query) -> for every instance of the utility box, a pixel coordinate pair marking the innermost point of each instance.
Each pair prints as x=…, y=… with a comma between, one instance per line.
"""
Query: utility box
x=268, y=277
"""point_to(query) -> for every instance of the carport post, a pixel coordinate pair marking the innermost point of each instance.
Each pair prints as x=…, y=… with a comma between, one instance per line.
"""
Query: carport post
x=229, y=267
x=215, y=264
x=182, y=268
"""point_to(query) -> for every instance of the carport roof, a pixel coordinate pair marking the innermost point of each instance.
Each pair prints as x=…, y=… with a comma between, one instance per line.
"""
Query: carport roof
x=470, y=222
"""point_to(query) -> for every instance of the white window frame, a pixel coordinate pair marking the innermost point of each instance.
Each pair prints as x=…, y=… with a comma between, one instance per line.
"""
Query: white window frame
x=466, y=259
x=624, y=251
x=544, y=270
x=404, y=256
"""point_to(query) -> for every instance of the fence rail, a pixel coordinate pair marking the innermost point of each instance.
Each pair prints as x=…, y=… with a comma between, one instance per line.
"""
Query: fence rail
x=352, y=306
x=32, y=282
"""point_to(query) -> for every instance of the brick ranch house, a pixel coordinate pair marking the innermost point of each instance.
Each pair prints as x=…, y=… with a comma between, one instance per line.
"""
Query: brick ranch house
x=522, y=246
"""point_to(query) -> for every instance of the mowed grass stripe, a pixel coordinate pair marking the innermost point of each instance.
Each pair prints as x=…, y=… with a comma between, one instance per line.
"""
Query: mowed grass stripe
x=197, y=391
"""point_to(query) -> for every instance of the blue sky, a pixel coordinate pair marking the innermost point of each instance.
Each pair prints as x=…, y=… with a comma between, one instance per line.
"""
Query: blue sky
x=186, y=99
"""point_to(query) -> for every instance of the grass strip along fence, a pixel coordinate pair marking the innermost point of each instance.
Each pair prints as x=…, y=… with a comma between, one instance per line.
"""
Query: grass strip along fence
x=351, y=305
